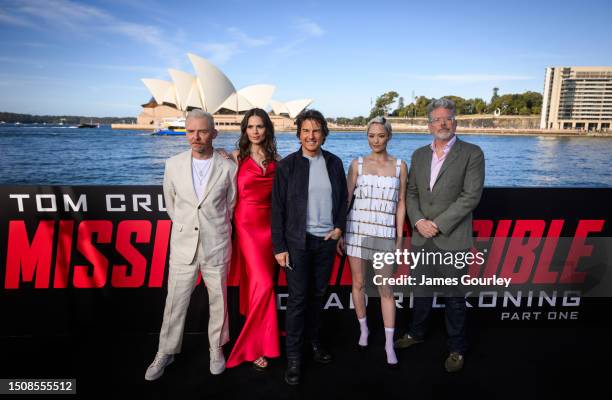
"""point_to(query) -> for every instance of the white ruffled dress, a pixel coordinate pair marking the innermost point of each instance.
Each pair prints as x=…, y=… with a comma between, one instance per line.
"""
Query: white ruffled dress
x=370, y=225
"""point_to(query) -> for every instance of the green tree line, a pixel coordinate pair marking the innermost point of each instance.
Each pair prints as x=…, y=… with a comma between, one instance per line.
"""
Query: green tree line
x=527, y=103
x=66, y=119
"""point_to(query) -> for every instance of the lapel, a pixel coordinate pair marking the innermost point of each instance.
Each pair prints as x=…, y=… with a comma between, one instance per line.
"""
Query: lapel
x=450, y=158
x=215, y=174
x=427, y=166
x=187, y=167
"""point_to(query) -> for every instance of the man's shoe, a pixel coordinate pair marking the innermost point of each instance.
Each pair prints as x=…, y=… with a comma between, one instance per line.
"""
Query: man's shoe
x=292, y=373
x=320, y=355
x=406, y=341
x=217, y=361
x=454, y=362
x=156, y=369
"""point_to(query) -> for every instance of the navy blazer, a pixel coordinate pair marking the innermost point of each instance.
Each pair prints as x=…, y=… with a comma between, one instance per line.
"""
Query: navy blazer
x=290, y=198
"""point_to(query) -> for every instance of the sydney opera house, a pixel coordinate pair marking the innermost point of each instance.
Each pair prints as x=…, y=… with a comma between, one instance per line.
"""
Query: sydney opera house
x=210, y=90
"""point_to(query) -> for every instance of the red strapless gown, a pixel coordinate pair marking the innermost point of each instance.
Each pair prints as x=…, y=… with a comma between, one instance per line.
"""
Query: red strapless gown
x=253, y=259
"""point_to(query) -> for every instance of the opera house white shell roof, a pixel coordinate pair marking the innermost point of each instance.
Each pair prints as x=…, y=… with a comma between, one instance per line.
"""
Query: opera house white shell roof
x=210, y=90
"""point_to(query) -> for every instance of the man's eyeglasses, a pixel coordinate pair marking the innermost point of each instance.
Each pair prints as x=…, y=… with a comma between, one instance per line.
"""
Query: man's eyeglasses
x=440, y=120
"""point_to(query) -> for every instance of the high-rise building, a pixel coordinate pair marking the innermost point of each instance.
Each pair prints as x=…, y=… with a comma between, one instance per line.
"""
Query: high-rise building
x=577, y=98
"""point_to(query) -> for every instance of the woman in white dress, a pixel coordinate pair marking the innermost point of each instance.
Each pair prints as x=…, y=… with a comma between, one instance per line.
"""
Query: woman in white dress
x=375, y=224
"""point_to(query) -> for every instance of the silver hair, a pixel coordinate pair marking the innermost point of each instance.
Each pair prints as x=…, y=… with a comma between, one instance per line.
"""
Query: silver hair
x=440, y=103
x=382, y=121
x=197, y=113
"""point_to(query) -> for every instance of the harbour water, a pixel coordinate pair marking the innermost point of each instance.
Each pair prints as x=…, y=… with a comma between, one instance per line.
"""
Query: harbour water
x=46, y=155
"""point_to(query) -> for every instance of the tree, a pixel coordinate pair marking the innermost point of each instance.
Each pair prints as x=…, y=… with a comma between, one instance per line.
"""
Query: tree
x=382, y=104
x=421, y=106
x=518, y=103
x=495, y=95
x=360, y=120
x=400, y=107
x=479, y=106
x=406, y=112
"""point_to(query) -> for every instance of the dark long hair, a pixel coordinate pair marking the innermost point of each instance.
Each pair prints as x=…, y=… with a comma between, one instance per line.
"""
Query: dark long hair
x=269, y=142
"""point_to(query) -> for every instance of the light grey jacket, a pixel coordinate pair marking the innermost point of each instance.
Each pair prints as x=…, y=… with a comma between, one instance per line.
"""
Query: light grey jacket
x=455, y=194
x=192, y=220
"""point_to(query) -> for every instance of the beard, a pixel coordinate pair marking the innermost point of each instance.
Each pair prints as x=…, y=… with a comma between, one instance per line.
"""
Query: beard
x=199, y=148
x=444, y=135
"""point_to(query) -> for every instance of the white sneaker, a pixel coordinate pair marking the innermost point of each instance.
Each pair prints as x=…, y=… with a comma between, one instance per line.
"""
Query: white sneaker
x=217, y=361
x=156, y=369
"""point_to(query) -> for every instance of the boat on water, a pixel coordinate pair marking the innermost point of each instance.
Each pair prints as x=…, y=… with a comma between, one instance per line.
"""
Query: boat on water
x=171, y=126
x=88, y=126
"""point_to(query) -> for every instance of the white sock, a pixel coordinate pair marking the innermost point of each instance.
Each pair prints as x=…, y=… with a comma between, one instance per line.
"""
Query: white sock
x=391, y=358
x=363, y=326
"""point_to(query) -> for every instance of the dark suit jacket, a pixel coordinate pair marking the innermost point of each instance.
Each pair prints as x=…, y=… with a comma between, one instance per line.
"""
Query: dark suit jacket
x=455, y=194
x=290, y=198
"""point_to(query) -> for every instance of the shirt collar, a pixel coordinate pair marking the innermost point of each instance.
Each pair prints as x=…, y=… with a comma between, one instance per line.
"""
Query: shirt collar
x=319, y=155
x=448, y=145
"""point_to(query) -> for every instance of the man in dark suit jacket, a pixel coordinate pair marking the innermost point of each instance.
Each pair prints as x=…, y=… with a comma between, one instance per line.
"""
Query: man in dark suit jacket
x=309, y=202
x=444, y=186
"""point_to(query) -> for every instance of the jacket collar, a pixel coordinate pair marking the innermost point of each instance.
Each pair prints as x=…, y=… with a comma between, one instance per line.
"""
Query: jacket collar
x=326, y=154
x=450, y=158
x=215, y=173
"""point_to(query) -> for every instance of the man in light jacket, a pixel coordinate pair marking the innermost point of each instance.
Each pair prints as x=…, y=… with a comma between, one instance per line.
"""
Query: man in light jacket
x=200, y=194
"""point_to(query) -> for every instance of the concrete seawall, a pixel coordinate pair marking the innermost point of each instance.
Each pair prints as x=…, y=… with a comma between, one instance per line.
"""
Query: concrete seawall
x=421, y=128
x=403, y=128
x=134, y=127
x=150, y=128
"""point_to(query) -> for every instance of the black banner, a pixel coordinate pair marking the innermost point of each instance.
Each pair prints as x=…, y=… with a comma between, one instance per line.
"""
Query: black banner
x=79, y=258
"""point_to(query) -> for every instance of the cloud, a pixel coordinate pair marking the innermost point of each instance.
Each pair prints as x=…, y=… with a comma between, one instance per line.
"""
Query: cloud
x=86, y=20
x=23, y=61
x=309, y=27
x=247, y=40
x=64, y=13
x=15, y=20
x=38, y=45
x=114, y=67
x=149, y=35
x=221, y=52
x=469, y=77
x=20, y=80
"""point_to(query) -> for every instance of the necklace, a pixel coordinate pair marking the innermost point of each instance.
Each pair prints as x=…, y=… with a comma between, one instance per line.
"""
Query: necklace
x=201, y=172
x=260, y=163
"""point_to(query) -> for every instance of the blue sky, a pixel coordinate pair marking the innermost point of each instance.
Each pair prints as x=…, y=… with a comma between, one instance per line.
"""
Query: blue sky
x=87, y=57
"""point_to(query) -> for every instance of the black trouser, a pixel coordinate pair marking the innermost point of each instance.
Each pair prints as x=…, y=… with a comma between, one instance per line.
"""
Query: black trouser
x=454, y=310
x=307, y=283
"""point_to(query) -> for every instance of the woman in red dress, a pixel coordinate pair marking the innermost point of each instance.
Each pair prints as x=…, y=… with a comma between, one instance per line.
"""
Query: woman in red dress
x=252, y=255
